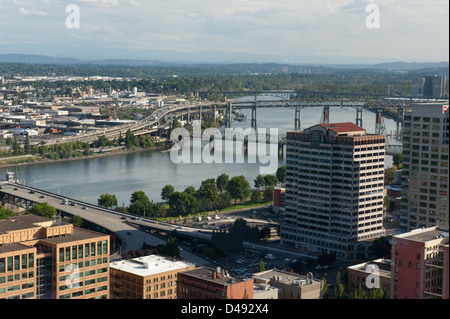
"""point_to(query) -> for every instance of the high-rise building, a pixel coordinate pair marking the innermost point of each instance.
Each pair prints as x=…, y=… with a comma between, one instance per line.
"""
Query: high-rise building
x=148, y=277
x=42, y=258
x=425, y=186
x=334, y=189
x=420, y=264
x=429, y=87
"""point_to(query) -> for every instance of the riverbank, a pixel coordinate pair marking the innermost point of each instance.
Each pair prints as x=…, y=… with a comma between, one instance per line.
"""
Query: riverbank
x=30, y=159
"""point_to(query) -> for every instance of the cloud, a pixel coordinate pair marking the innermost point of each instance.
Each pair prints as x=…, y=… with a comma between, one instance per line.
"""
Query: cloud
x=101, y=3
x=33, y=11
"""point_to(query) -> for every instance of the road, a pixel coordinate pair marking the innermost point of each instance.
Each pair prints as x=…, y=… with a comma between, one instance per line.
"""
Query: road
x=145, y=124
x=132, y=237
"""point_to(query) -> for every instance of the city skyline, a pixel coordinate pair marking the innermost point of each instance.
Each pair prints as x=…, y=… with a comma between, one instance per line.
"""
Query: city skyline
x=334, y=32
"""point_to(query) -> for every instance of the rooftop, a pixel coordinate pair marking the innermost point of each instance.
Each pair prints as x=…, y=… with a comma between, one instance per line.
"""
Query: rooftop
x=384, y=266
x=426, y=234
x=343, y=127
x=149, y=265
x=285, y=277
x=217, y=276
x=23, y=222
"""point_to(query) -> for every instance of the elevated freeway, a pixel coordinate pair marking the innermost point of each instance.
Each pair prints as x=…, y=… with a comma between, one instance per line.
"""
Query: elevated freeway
x=131, y=235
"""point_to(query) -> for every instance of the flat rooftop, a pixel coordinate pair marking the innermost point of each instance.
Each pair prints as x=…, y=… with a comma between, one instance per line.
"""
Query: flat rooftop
x=150, y=265
x=206, y=273
x=77, y=234
x=283, y=276
x=23, y=222
x=426, y=234
x=384, y=266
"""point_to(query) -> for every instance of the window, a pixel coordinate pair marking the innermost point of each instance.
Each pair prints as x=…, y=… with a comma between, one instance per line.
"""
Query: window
x=16, y=263
x=24, y=261
x=67, y=253
x=2, y=265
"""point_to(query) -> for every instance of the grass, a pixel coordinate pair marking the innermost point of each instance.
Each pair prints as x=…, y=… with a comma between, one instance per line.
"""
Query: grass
x=21, y=160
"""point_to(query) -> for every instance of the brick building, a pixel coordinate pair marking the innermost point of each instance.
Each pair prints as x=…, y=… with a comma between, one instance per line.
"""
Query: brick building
x=420, y=268
x=210, y=283
x=149, y=277
x=42, y=258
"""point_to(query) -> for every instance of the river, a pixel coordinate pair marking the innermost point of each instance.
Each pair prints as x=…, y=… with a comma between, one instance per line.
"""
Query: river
x=150, y=171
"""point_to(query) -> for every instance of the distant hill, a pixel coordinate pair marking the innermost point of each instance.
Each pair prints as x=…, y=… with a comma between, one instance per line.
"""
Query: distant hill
x=41, y=59
x=411, y=65
x=268, y=67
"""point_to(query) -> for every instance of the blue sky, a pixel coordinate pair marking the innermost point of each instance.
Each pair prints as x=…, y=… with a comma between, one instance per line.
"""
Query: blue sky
x=293, y=31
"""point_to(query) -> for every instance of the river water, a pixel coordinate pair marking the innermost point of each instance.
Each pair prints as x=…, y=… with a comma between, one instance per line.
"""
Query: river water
x=150, y=171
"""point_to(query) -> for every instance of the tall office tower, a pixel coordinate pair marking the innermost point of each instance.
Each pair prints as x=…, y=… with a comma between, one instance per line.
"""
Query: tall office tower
x=42, y=258
x=429, y=87
x=434, y=86
x=420, y=264
x=334, y=189
x=425, y=186
x=417, y=88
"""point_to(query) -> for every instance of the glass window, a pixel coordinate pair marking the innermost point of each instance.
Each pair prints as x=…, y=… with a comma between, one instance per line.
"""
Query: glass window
x=16, y=262
x=80, y=251
x=74, y=252
x=2, y=266
x=24, y=261
x=67, y=253
x=105, y=247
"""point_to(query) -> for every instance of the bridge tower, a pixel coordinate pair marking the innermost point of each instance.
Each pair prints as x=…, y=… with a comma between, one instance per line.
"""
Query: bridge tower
x=297, y=118
x=359, y=120
x=400, y=114
x=325, y=115
x=228, y=115
x=380, y=128
x=254, y=121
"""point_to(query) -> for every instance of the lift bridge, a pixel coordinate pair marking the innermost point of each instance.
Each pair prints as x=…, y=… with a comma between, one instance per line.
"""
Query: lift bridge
x=380, y=129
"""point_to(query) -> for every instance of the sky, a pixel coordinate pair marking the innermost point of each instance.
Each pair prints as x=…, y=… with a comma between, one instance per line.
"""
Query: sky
x=287, y=31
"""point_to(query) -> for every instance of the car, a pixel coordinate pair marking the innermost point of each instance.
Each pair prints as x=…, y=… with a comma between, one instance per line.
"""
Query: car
x=85, y=207
x=42, y=196
x=73, y=204
x=217, y=217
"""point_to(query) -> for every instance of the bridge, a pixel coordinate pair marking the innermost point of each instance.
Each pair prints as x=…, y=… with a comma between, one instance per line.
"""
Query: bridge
x=158, y=122
x=130, y=235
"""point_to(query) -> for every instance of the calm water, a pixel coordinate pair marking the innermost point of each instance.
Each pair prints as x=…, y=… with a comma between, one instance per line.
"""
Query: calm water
x=150, y=171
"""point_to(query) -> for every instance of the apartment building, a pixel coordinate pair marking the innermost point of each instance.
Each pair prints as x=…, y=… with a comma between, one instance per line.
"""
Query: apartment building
x=425, y=186
x=363, y=275
x=149, y=277
x=210, y=283
x=42, y=258
x=334, y=189
x=420, y=267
